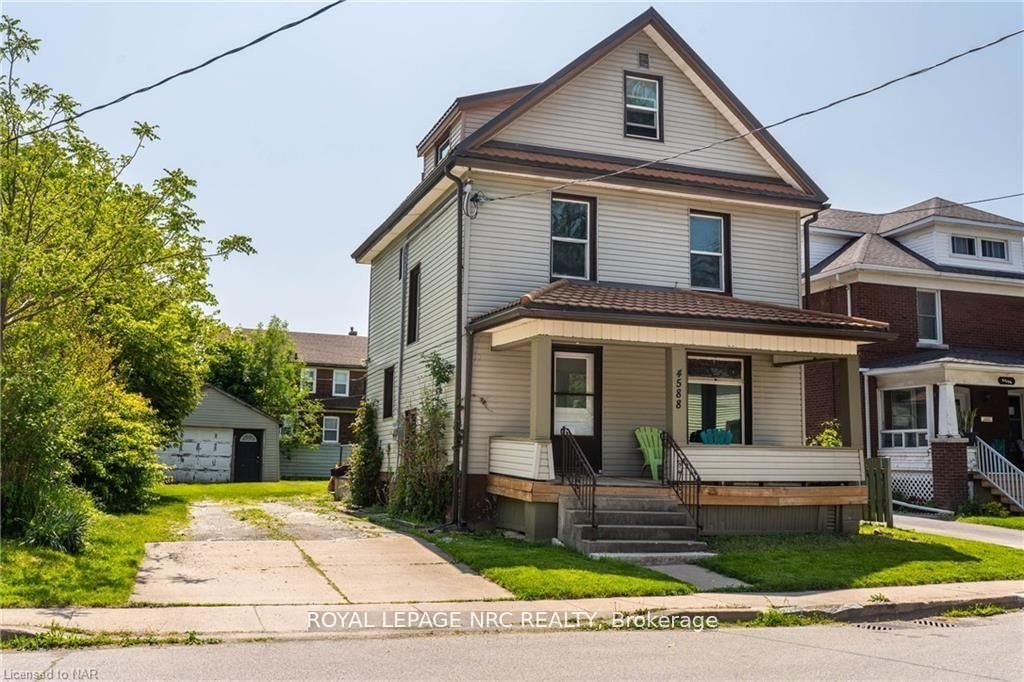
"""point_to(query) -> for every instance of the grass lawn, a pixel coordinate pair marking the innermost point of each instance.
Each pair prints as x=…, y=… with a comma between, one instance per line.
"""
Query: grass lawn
x=1014, y=522
x=104, y=574
x=532, y=571
x=890, y=557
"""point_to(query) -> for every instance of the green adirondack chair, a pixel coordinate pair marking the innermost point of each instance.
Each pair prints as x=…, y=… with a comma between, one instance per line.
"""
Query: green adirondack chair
x=649, y=439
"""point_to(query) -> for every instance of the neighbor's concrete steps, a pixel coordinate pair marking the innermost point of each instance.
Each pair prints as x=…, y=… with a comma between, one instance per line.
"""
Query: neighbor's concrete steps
x=646, y=530
x=997, y=493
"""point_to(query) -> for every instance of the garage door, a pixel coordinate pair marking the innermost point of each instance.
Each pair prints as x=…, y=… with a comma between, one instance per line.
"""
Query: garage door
x=204, y=454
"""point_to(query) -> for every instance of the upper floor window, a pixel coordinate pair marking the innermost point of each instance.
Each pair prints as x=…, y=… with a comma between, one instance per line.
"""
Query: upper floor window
x=412, y=316
x=572, y=237
x=308, y=379
x=993, y=248
x=643, y=113
x=709, y=252
x=963, y=246
x=929, y=316
x=331, y=429
x=340, y=383
x=443, y=148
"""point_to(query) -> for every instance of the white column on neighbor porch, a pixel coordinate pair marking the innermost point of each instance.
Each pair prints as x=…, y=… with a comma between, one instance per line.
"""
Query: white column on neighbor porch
x=675, y=393
x=540, y=388
x=948, y=425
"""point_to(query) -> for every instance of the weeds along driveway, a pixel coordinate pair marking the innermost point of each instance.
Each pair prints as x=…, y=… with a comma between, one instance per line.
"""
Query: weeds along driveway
x=277, y=553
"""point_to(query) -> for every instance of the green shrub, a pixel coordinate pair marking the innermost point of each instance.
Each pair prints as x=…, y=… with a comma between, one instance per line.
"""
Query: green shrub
x=61, y=519
x=828, y=437
x=994, y=508
x=365, y=461
x=117, y=459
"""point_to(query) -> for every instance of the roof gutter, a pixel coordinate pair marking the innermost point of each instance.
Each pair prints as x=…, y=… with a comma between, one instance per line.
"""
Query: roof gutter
x=459, y=454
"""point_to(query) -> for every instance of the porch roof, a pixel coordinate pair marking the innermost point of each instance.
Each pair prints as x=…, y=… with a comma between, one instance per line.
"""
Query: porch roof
x=982, y=358
x=624, y=304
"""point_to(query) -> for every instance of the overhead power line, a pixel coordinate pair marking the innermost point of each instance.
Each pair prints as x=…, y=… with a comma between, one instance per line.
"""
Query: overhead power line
x=948, y=204
x=778, y=123
x=179, y=74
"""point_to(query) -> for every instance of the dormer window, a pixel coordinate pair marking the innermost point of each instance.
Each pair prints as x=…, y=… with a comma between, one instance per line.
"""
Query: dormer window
x=963, y=246
x=990, y=249
x=643, y=113
x=443, y=148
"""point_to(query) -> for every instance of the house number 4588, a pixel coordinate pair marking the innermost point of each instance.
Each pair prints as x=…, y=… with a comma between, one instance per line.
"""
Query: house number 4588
x=679, y=389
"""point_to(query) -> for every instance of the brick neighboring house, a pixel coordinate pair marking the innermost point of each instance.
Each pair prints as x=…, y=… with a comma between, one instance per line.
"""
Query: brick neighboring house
x=335, y=373
x=949, y=280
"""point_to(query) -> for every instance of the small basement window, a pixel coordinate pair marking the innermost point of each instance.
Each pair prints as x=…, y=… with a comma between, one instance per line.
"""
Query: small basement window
x=643, y=112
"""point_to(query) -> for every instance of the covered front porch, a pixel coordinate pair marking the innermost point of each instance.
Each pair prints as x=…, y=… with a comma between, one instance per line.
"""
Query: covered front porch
x=728, y=390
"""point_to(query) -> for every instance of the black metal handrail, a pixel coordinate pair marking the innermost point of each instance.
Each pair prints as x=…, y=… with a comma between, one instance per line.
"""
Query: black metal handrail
x=577, y=472
x=679, y=474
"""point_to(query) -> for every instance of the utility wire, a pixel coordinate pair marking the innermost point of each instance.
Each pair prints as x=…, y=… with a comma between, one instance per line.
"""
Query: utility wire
x=948, y=204
x=179, y=74
x=788, y=119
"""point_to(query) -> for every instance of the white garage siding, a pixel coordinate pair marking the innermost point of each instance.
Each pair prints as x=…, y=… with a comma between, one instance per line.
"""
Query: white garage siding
x=208, y=432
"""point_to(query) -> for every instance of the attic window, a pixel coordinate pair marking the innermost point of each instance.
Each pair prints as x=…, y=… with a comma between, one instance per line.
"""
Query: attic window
x=443, y=148
x=643, y=112
x=644, y=60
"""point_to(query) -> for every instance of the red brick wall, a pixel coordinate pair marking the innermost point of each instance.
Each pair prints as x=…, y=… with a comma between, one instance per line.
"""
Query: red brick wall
x=949, y=474
x=892, y=304
x=820, y=377
x=982, y=320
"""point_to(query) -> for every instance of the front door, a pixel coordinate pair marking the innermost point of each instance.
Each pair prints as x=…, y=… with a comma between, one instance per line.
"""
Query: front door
x=1016, y=419
x=248, y=455
x=576, y=400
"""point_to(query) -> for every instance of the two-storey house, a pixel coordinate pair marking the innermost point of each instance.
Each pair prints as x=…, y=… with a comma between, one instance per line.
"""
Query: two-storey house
x=949, y=280
x=594, y=260
x=335, y=373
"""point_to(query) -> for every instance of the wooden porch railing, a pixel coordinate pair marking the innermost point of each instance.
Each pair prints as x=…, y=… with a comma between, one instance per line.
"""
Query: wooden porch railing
x=577, y=472
x=681, y=476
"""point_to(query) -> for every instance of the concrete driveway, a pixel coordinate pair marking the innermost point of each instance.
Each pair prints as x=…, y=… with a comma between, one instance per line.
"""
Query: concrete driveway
x=275, y=553
x=1007, y=537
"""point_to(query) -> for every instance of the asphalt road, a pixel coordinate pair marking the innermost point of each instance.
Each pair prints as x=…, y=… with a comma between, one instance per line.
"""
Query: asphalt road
x=991, y=648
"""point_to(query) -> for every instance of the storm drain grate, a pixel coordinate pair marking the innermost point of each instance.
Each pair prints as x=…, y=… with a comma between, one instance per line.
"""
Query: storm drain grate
x=934, y=623
x=874, y=626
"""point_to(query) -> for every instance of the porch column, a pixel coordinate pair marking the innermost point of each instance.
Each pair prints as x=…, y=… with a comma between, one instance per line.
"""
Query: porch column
x=675, y=394
x=540, y=388
x=948, y=426
x=848, y=402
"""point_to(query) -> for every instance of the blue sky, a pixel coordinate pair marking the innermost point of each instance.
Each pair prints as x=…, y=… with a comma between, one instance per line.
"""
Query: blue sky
x=307, y=141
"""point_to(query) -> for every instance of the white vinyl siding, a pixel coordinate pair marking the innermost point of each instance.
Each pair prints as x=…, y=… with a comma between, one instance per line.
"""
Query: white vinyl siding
x=921, y=242
x=586, y=115
x=641, y=239
x=634, y=396
x=384, y=337
x=501, y=399
x=314, y=462
x=823, y=246
x=778, y=403
x=936, y=244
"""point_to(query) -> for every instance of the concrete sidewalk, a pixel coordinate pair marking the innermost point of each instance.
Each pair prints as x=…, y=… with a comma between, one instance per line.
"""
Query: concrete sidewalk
x=241, y=622
x=1008, y=537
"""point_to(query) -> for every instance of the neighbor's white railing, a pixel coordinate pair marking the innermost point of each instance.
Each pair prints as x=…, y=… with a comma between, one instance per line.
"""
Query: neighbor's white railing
x=1000, y=472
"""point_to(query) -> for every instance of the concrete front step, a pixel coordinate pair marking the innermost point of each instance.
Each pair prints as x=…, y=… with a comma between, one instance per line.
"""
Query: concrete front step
x=654, y=559
x=636, y=532
x=630, y=518
x=995, y=491
x=617, y=503
x=640, y=546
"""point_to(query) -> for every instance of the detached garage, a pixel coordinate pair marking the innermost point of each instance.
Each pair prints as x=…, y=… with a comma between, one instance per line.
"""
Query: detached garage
x=225, y=439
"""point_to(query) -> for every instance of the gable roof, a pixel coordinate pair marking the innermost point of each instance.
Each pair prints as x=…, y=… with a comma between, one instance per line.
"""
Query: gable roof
x=343, y=350
x=881, y=223
x=651, y=18
x=229, y=396
x=469, y=102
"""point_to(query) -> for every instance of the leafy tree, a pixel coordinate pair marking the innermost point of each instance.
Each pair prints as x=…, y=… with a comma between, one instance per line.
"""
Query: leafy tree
x=103, y=284
x=364, y=464
x=262, y=368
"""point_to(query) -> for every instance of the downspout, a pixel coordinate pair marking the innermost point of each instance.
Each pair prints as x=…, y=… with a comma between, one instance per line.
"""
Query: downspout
x=807, y=255
x=867, y=415
x=458, y=455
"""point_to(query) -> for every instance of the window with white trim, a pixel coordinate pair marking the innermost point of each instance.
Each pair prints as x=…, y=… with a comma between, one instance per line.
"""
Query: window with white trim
x=331, y=429
x=707, y=252
x=715, y=406
x=963, y=246
x=308, y=379
x=643, y=107
x=993, y=248
x=340, y=383
x=904, y=418
x=929, y=316
x=572, y=226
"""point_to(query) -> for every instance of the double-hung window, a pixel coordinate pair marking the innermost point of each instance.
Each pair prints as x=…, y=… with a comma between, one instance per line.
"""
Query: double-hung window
x=929, y=316
x=643, y=110
x=340, y=383
x=716, y=398
x=332, y=427
x=993, y=248
x=963, y=246
x=904, y=418
x=308, y=379
x=709, y=253
x=572, y=237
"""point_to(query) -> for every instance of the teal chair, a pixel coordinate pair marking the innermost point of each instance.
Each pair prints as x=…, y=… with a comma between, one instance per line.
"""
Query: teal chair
x=716, y=436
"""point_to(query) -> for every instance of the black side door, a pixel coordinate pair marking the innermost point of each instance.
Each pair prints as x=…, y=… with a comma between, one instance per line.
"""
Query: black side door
x=248, y=450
